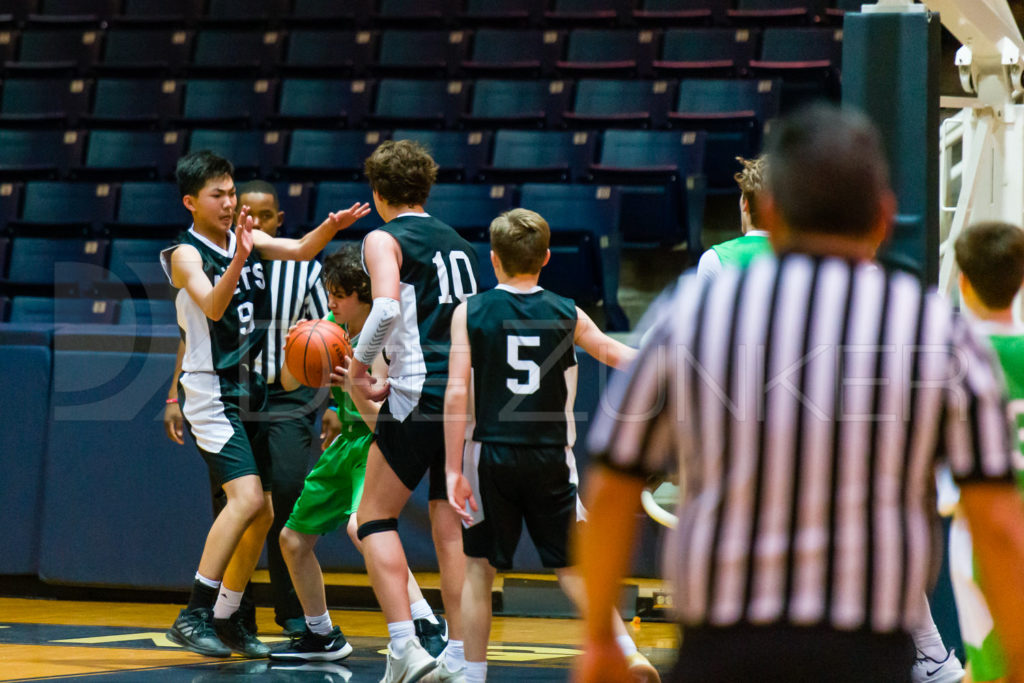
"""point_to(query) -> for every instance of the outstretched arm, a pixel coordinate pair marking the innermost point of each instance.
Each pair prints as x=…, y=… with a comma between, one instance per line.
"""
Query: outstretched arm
x=456, y=407
x=187, y=271
x=600, y=345
x=313, y=242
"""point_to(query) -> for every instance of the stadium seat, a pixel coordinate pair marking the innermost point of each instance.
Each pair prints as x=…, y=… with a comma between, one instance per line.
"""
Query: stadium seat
x=503, y=104
x=458, y=154
x=734, y=113
x=134, y=103
x=330, y=13
x=585, y=243
x=233, y=103
x=608, y=52
x=330, y=154
x=705, y=52
x=839, y=8
x=505, y=52
x=540, y=155
x=470, y=208
x=174, y=13
x=328, y=53
x=38, y=309
x=10, y=202
x=334, y=196
x=415, y=12
x=56, y=52
x=418, y=52
x=578, y=12
x=806, y=59
x=485, y=269
x=133, y=51
x=680, y=12
x=56, y=207
x=5, y=308
x=762, y=12
x=131, y=155
x=403, y=103
x=295, y=200
x=662, y=184
x=614, y=103
x=135, y=263
x=254, y=153
x=39, y=153
x=237, y=12
x=511, y=12
x=144, y=313
x=322, y=102
x=92, y=12
x=67, y=266
x=5, y=247
x=150, y=207
x=43, y=102
x=234, y=53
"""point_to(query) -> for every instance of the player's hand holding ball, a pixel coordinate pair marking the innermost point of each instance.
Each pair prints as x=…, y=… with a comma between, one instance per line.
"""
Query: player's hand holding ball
x=313, y=348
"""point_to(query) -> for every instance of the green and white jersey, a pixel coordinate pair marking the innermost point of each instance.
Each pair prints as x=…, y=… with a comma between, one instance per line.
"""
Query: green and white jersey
x=352, y=424
x=234, y=341
x=734, y=253
x=439, y=270
x=1008, y=342
x=524, y=366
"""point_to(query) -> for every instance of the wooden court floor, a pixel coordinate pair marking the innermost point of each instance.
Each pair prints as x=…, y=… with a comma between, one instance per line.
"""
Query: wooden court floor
x=43, y=639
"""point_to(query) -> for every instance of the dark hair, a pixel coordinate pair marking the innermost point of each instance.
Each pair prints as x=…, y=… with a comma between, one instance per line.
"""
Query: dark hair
x=196, y=169
x=401, y=172
x=991, y=256
x=520, y=238
x=751, y=182
x=259, y=187
x=826, y=171
x=343, y=271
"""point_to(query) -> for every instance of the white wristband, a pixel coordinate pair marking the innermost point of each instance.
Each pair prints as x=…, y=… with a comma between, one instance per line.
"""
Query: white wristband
x=375, y=330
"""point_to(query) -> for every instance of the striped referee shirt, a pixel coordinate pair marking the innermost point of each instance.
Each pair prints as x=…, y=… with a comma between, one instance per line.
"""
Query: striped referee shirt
x=806, y=402
x=296, y=293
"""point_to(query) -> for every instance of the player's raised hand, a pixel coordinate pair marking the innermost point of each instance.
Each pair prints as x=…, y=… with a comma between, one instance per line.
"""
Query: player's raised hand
x=343, y=219
x=460, y=494
x=243, y=233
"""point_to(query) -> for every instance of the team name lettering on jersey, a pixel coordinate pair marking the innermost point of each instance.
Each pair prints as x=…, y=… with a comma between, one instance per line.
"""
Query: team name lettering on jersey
x=258, y=280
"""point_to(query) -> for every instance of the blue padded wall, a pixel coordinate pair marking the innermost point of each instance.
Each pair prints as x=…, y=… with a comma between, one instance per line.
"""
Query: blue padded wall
x=25, y=404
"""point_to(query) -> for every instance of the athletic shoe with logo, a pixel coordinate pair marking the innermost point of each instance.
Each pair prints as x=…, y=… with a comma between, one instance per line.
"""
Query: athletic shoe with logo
x=641, y=670
x=442, y=674
x=929, y=670
x=433, y=637
x=193, y=630
x=313, y=647
x=295, y=626
x=233, y=633
x=410, y=665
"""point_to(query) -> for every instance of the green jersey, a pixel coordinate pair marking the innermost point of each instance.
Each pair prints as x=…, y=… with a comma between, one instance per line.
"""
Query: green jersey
x=741, y=251
x=1010, y=350
x=352, y=424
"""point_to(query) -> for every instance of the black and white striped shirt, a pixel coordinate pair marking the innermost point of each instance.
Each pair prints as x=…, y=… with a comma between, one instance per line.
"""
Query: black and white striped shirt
x=296, y=293
x=806, y=402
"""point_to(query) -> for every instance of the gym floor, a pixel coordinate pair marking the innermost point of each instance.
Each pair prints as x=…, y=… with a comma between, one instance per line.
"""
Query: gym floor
x=43, y=639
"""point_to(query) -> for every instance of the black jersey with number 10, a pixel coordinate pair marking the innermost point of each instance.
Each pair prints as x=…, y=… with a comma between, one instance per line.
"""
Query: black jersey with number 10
x=524, y=366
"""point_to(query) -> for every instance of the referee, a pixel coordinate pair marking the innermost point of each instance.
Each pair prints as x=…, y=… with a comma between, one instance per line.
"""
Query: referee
x=805, y=401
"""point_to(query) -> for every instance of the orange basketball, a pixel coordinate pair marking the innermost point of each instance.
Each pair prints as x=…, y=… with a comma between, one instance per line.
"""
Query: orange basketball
x=313, y=349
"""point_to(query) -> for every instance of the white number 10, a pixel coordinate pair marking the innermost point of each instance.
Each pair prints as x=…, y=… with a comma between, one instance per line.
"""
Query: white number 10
x=456, y=277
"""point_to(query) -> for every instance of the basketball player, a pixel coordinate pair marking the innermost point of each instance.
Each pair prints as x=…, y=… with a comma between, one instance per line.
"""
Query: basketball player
x=223, y=307
x=513, y=353
x=295, y=293
x=420, y=269
x=332, y=490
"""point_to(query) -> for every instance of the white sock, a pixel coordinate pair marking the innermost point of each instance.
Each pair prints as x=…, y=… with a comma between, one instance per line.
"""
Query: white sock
x=227, y=602
x=627, y=645
x=926, y=637
x=207, y=582
x=421, y=610
x=454, y=655
x=401, y=633
x=476, y=672
x=320, y=625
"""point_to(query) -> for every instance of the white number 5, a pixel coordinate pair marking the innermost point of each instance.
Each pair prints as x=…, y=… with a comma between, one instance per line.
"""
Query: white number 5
x=531, y=369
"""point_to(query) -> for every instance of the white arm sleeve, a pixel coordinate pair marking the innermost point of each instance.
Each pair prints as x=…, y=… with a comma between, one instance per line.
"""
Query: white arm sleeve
x=382, y=316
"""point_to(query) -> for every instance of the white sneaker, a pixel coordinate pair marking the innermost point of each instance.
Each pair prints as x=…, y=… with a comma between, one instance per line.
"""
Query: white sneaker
x=442, y=674
x=928, y=670
x=410, y=665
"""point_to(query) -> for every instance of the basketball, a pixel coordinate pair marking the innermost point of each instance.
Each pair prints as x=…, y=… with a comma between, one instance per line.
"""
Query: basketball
x=313, y=349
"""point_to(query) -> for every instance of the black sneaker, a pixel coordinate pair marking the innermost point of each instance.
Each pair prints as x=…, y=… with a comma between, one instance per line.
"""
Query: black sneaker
x=313, y=647
x=433, y=637
x=233, y=633
x=294, y=626
x=193, y=630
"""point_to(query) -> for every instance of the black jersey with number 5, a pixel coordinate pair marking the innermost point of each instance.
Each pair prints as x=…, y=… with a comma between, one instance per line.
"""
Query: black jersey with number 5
x=237, y=338
x=524, y=366
x=439, y=270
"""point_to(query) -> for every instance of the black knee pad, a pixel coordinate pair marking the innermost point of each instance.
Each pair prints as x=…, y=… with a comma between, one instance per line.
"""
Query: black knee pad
x=376, y=526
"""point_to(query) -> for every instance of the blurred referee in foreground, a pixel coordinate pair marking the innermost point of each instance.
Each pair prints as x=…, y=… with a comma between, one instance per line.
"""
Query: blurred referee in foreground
x=806, y=402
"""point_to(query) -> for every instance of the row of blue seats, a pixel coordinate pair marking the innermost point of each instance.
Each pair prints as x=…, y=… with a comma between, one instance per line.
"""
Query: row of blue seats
x=85, y=445
x=402, y=52
x=137, y=312
x=332, y=103
x=432, y=12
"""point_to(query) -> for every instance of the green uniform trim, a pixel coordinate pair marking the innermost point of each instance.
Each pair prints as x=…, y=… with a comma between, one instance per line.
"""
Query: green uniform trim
x=741, y=251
